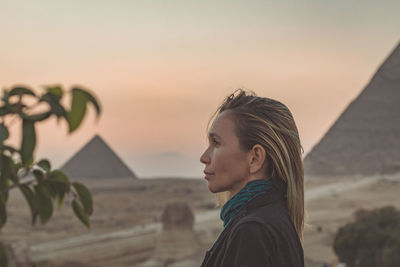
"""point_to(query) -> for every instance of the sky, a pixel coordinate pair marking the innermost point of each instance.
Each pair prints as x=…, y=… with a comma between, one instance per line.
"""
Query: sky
x=161, y=68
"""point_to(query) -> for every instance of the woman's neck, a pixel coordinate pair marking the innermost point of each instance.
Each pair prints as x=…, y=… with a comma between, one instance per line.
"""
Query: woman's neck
x=241, y=185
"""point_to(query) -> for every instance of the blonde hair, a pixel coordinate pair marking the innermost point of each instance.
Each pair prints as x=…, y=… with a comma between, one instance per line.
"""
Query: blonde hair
x=264, y=121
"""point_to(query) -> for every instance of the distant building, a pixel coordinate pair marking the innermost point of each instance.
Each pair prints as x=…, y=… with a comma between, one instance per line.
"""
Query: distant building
x=97, y=160
x=365, y=139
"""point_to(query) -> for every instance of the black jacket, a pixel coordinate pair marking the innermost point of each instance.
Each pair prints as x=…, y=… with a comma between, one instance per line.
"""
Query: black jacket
x=261, y=235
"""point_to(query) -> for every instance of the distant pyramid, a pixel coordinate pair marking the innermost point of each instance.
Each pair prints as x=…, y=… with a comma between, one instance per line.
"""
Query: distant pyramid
x=365, y=139
x=96, y=160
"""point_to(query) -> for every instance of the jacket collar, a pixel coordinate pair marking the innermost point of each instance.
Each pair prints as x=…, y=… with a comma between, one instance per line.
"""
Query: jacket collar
x=271, y=197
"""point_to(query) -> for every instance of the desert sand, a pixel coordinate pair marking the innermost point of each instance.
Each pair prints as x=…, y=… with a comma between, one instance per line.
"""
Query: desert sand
x=126, y=224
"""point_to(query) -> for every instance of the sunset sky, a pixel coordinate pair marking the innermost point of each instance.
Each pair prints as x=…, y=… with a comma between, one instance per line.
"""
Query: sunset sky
x=160, y=68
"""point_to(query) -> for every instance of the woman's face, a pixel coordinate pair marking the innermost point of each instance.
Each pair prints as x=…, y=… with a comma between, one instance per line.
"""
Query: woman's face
x=226, y=165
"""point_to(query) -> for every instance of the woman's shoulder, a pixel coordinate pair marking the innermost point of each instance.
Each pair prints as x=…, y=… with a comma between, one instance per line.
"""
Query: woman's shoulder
x=253, y=227
x=267, y=214
x=271, y=222
x=264, y=242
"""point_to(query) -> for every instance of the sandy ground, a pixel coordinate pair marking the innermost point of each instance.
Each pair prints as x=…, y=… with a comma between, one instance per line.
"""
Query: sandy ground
x=336, y=205
x=127, y=219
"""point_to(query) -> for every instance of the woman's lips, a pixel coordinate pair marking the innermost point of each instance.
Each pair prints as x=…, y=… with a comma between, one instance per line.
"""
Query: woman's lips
x=208, y=174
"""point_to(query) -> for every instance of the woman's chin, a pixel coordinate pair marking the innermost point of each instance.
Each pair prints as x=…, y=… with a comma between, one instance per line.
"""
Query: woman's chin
x=212, y=188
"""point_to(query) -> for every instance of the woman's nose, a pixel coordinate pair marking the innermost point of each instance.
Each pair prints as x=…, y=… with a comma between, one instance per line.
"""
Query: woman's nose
x=205, y=158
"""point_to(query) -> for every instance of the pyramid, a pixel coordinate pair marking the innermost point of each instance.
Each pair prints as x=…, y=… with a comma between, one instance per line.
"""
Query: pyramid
x=365, y=139
x=96, y=160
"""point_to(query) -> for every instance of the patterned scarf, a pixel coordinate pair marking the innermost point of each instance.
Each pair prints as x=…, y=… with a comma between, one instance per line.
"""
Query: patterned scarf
x=244, y=196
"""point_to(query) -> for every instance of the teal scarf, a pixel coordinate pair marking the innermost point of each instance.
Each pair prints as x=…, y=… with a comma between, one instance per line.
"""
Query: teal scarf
x=244, y=196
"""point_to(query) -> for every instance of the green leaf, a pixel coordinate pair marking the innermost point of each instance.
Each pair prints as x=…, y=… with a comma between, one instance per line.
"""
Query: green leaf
x=59, y=175
x=18, y=90
x=8, y=148
x=55, y=106
x=61, y=195
x=84, y=196
x=3, y=214
x=96, y=105
x=50, y=188
x=4, y=197
x=60, y=200
x=31, y=199
x=91, y=99
x=56, y=91
x=37, y=117
x=4, y=184
x=44, y=164
x=3, y=256
x=29, y=162
x=58, y=190
x=14, y=108
x=4, y=166
x=60, y=183
x=38, y=175
x=7, y=169
x=28, y=141
x=4, y=134
x=5, y=97
x=80, y=213
x=4, y=111
x=78, y=109
x=45, y=206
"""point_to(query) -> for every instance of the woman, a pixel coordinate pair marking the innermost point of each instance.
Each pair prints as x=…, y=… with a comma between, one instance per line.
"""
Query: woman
x=254, y=155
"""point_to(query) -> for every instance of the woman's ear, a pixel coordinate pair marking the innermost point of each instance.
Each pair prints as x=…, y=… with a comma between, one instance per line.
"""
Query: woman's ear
x=257, y=159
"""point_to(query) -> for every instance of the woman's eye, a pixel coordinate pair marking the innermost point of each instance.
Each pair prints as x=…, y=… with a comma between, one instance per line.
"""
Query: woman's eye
x=215, y=142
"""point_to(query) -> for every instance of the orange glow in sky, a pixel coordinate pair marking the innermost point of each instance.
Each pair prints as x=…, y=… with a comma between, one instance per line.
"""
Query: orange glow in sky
x=160, y=68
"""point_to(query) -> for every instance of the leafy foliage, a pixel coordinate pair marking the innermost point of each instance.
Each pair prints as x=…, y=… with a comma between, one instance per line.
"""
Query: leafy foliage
x=41, y=186
x=372, y=240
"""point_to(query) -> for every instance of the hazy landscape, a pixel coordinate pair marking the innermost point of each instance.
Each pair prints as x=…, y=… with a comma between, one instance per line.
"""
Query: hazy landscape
x=127, y=218
x=130, y=229
x=159, y=70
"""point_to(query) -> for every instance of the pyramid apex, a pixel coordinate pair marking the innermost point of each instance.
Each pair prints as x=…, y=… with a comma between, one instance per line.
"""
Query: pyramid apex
x=364, y=139
x=96, y=159
x=390, y=69
x=96, y=136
